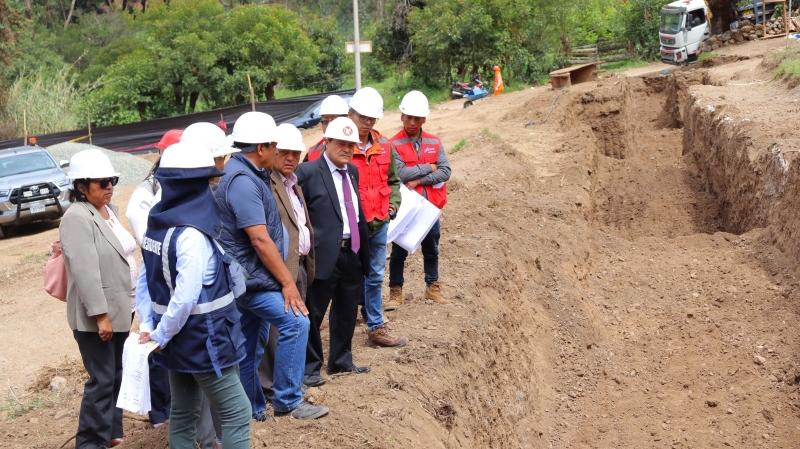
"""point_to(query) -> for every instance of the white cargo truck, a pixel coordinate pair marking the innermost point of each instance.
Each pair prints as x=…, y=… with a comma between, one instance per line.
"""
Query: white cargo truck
x=684, y=28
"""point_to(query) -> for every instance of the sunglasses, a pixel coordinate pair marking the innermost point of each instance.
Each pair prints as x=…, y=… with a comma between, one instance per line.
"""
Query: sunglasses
x=103, y=183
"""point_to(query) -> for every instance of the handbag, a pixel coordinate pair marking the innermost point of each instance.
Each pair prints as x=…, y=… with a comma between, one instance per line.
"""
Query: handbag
x=55, y=273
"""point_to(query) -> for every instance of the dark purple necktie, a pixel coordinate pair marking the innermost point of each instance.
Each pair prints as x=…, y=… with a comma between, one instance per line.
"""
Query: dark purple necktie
x=355, y=242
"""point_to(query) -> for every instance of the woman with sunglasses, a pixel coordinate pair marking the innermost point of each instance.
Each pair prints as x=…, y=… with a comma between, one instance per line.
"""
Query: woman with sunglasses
x=98, y=256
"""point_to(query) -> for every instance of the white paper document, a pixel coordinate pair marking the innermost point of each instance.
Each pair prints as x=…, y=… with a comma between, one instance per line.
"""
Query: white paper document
x=414, y=219
x=134, y=395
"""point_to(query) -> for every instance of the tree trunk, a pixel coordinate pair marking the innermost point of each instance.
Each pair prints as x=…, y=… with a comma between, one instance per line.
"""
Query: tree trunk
x=28, y=5
x=271, y=90
x=142, y=109
x=69, y=16
x=124, y=5
x=193, y=101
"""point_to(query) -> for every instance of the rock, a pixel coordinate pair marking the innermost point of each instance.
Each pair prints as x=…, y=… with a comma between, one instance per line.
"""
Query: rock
x=759, y=26
x=759, y=33
x=715, y=47
x=706, y=48
x=34, y=420
x=759, y=360
x=61, y=414
x=772, y=378
x=747, y=29
x=315, y=396
x=711, y=403
x=58, y=383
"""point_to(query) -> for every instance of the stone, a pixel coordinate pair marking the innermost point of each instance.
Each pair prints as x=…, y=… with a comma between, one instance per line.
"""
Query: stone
x=759, y=33
x=61, y=414
x=711, y=403
x=759, y=26
x=706, y=48
x=58, y=383
x=715, y=47
x=747, y=29
x=759, y=360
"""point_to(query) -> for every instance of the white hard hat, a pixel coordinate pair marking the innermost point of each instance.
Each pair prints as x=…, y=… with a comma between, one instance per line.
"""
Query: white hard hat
x=342, y=128
x=333, y=105
x=185, y=155
x=415, y=104
x=368, y=102
x=90, y=164
x=254, y=128
x=211, y=137
x=289, y=138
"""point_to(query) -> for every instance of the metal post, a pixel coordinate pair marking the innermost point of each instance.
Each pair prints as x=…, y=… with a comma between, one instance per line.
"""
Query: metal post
x=25, y=125
x=357, y=49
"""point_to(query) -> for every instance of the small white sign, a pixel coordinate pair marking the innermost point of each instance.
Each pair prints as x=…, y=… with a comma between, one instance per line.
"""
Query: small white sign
x=363, y=47
x=36, y=208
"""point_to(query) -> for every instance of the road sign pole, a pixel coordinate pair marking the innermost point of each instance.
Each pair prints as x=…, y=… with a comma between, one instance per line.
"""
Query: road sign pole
x=357, y=45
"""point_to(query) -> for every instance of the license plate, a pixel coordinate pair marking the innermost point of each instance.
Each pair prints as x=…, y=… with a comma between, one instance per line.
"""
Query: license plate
x=747, y=12
x=36, y=208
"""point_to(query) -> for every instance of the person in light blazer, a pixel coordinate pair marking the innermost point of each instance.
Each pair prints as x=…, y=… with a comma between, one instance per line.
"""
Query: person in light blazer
x=97, y=251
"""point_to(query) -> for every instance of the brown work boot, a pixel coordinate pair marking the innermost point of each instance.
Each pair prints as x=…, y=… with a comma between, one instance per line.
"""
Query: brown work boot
x=395, y=298
x=434, y=293
x=381, y=337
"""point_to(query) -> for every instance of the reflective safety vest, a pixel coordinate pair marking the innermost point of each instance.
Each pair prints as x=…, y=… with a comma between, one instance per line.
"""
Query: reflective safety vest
x=211, y=339
x=429, y=154
x=373, y=178
x=315, y=151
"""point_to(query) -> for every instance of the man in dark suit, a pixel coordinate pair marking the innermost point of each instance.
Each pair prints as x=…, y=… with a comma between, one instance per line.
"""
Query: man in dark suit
x=330, y=187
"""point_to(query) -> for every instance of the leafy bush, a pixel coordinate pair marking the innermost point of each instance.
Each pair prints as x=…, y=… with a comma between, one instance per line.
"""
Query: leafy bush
x=640, y=21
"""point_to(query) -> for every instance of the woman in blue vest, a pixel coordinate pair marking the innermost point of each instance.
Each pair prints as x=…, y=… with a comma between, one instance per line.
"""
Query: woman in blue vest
x=189, y=290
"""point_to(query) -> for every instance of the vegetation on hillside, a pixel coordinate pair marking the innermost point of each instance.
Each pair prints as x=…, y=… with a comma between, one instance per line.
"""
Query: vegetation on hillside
x=128, y=60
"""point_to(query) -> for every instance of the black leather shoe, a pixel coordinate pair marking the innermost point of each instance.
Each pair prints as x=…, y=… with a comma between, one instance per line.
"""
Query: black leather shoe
x=261, y=416
x=314, y=380
x=351, y=369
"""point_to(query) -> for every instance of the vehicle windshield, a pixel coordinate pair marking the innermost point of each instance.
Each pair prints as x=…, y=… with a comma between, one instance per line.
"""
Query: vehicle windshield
x=313, y=108
x=671, y=23
x=25, y=163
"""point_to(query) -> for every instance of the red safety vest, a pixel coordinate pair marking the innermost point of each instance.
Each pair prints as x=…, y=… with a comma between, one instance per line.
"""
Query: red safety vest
x=373, y=178
x=315, y=151
x=429, y=149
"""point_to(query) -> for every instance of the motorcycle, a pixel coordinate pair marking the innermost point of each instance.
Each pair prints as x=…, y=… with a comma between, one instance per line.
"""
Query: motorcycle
x=460, y=89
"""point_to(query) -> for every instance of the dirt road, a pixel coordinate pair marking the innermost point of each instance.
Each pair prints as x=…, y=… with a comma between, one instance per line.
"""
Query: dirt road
x=624, y=276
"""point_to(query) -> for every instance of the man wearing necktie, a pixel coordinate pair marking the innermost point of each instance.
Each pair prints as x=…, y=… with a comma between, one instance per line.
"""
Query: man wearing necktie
x=330, y=187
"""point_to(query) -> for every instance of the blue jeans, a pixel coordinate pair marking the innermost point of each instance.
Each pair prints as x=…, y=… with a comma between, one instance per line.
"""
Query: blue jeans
x=430, y=257
x=259, y=310
x=373, y=282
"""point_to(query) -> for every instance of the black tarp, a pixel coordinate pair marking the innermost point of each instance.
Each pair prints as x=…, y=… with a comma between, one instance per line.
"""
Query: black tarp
x=141, y=136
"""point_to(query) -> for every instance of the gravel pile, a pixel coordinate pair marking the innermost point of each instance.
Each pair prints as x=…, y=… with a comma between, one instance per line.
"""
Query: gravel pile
x=132, y=170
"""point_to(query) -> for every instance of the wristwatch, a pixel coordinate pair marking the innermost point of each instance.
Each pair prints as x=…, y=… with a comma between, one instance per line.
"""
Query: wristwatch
x=392, y=214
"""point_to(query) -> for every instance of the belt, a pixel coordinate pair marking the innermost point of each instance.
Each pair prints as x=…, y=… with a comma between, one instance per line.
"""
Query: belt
x=345, y=243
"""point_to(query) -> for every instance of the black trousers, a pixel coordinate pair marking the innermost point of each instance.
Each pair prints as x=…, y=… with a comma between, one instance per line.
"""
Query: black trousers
x=160, y=399
x=344, y=287
x=100, y=420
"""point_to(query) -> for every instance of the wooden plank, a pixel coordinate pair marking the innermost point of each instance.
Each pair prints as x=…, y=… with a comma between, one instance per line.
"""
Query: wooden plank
x=612, y=47
x=584, y=50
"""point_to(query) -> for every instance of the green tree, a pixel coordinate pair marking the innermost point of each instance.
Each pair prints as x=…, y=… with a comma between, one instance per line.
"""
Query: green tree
x=639, y=21
x=332, y=62
x=268, y=43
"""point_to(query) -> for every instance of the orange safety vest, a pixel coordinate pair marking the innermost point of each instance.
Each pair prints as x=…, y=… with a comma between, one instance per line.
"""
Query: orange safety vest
x=315, y=151
x=373, y=177
x=429, y=149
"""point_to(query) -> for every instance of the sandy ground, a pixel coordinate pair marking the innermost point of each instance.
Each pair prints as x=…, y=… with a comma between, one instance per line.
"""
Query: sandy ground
x=623, y=276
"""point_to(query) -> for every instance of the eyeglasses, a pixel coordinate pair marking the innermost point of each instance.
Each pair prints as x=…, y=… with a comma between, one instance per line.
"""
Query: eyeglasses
x=364, y=119
x=325, y=122
x=103, y=183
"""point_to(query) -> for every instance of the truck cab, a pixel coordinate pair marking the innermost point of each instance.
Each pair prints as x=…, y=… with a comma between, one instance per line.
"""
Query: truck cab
x=684, y=28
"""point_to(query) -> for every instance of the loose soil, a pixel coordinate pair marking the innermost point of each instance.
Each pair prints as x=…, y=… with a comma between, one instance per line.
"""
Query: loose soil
x=623, y=276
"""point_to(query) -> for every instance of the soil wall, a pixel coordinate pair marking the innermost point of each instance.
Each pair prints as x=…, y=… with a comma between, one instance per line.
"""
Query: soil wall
x=755, y=180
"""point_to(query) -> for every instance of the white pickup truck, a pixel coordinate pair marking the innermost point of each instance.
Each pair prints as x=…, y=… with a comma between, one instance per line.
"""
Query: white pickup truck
x=684, y=27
